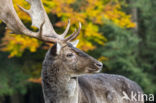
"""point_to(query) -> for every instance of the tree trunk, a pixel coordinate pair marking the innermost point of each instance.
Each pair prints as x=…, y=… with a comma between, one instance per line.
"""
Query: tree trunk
x=134, y=13
x=1, y=99
x=16, y=98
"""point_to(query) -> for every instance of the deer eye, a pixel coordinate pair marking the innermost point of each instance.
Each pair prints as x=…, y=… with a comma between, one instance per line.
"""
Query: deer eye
x=69, y=55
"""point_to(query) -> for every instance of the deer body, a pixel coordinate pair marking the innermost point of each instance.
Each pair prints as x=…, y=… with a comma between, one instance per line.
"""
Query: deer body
x=66, y=70
x=59, y=85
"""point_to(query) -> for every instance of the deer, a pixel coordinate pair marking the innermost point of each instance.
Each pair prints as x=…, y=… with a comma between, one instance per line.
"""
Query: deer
x=69, y=75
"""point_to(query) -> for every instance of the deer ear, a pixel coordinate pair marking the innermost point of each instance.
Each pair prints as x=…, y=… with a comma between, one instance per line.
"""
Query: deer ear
x=58, y=48
x=74, y=43
x=53, y=50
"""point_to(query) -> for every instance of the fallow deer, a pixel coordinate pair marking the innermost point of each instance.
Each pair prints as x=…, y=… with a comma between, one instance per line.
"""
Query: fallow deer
x=67, y=73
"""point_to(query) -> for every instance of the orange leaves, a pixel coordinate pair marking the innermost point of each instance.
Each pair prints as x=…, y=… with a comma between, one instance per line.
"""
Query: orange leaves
x=24, y=4
x=88, y=13
x=120, y=18
x=35, y=80
x=91, y=29
x=102, y=58
x=91, y=13
x=16, y=44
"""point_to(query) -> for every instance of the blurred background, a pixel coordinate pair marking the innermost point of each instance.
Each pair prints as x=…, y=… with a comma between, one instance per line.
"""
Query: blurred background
x=120, y=33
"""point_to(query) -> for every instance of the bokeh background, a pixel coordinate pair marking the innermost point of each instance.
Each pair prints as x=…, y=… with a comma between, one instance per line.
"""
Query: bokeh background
x=120, y=33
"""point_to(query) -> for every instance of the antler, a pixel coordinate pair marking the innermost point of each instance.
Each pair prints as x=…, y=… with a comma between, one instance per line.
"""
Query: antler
x=39, y=19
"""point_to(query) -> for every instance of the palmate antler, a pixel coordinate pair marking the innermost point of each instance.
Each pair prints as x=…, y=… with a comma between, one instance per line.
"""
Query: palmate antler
x=39, y=19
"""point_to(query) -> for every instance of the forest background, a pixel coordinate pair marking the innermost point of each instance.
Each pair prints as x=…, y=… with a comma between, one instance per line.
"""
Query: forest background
x=120, y=33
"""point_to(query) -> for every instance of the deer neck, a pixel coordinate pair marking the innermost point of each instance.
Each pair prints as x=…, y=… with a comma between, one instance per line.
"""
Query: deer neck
x=58, y=86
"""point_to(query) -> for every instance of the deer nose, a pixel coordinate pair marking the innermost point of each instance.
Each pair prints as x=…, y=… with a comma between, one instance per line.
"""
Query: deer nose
x=99, y=65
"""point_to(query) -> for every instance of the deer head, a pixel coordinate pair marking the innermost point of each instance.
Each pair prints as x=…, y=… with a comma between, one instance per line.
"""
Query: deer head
x=64, y=51
x=75, y=61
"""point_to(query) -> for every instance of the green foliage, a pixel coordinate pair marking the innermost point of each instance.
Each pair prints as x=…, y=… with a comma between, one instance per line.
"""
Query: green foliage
x=12, y=79
x=147, y=33
x=131, y=54
x=122, y=52
x=16, y=72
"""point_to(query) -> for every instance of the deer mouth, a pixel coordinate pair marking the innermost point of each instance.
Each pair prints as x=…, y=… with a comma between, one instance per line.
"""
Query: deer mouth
x=93, y=70
x=97, y=67
x=74, y=78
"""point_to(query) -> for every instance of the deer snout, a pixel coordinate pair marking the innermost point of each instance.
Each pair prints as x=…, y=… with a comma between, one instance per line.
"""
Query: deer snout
x=99, y=65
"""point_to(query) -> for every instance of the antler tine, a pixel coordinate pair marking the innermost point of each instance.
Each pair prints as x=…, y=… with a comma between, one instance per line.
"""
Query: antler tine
x=78, y=32
x=26, y=11
x=67, y=39
x=67, y=29
x=74, y=35
x=38, y=16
